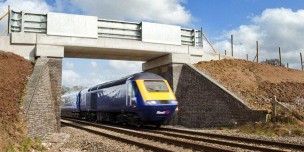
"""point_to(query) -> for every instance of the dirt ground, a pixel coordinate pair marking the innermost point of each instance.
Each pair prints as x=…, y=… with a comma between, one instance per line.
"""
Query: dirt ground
x=14, y=73
x=258, y=83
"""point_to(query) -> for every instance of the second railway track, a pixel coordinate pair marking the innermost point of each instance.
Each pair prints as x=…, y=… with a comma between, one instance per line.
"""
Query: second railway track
x=184, y=139
x=235, y=138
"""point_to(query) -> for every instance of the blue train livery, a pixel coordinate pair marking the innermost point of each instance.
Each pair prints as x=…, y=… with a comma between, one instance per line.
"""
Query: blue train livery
x=139, y=99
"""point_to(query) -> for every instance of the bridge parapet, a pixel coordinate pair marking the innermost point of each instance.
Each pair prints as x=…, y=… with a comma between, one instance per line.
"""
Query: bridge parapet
x=92, y=27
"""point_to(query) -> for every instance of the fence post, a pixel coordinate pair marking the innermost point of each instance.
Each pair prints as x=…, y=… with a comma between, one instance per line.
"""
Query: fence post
x=194, y=36
x=247, y=57
x=280, y=56
x=301, y=61
x=287, y=65
x=257, y=51
x=225, y=52
x=202, y=37
x=274, y=109
x=231, y=45
x=8, y=18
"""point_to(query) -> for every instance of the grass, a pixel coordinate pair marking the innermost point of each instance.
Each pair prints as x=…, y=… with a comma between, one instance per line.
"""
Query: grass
x=27, y=145
x=273, y=129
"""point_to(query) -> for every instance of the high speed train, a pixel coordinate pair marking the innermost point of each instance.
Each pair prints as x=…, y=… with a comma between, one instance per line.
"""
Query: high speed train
x=139, y=99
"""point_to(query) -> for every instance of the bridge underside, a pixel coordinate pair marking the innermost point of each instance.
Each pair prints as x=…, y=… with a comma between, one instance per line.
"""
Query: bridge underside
x=119, y=54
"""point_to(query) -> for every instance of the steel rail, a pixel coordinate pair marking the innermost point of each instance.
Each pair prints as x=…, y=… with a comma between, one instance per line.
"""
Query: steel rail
x=153, y=137
x=235, y=138
x=220, y=142
x=132, y=142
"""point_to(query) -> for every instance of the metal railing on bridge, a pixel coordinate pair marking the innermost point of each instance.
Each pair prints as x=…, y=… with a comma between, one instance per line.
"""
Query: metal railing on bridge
x=37, y=23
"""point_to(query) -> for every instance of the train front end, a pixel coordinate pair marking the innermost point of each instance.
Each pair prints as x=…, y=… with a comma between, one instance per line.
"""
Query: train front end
x=159, y=102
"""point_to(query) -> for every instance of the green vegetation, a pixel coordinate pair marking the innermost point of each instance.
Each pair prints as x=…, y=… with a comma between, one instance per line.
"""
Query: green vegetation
x=273, y=129
x=27, y=145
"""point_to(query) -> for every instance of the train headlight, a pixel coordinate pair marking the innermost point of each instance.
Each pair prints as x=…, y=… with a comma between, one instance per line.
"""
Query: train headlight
x=173, y=102
x=151, y=102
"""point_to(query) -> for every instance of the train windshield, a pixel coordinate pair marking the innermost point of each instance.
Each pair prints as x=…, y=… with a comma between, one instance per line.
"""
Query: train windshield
x=156, y=86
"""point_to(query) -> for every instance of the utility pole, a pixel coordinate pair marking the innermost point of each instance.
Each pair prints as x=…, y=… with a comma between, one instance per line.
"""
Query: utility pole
x=257, y=51
x=301, y=61
x=280, y=56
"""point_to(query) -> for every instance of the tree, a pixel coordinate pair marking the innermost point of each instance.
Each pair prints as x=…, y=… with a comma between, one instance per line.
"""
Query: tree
x=65, y=89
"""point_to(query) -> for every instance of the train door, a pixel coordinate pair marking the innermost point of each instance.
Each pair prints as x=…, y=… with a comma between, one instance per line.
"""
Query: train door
x=130, y=94
x=94, y=100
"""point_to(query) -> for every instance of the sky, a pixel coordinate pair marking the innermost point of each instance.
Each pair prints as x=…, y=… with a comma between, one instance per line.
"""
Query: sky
x=274, y=23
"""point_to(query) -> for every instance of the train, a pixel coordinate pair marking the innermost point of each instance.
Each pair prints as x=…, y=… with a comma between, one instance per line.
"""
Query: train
x=139, y=99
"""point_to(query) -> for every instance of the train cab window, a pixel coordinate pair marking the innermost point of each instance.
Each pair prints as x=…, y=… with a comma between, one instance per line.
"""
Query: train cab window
x=156, y=86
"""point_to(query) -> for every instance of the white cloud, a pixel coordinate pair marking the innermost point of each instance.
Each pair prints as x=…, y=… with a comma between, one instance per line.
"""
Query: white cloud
x=69, y=65
x=33, y=6
x=70, y=78
x=88, y=75
x=163, y=11
x=125, y=66
x=273, y=28
x=93, y=64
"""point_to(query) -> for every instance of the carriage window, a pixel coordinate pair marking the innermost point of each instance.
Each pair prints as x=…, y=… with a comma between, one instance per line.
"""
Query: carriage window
x=156, y=86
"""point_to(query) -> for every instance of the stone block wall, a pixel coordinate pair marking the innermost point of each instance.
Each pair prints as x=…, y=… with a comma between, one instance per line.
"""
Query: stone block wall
x=202, y=101
x=42, y=100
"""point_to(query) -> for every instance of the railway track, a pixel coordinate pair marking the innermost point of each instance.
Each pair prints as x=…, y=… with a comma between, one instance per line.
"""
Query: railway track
x=140, y=134
x=171, y=131
x=184, y=138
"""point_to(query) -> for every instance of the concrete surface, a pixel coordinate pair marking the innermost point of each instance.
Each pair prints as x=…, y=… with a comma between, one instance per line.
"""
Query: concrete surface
x=25, y=50
x=179, y=58
x=49, y=51
x=21, y=38
x=161, y=33
x=103, y=48
x=72, y=25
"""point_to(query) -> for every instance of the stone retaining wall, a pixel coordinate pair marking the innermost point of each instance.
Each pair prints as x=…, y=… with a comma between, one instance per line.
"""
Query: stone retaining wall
x=42, y=100
x=202, y=101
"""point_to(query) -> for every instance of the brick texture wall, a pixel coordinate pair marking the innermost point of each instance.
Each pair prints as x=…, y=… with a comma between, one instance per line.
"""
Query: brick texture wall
x=42, y=100
x=203, y=102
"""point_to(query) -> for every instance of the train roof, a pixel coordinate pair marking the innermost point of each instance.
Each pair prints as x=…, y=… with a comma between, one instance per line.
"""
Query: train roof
x=137, y=76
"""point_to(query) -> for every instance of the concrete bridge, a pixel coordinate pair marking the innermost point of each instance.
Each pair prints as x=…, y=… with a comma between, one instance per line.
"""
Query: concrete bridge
x=167, y=50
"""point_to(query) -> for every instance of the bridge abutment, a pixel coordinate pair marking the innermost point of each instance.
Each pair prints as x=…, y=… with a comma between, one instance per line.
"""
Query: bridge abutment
x=41, y=104
x=202, y=101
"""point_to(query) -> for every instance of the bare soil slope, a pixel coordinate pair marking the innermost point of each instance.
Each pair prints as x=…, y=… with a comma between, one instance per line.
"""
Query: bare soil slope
x=14, y=72
x=257, y=83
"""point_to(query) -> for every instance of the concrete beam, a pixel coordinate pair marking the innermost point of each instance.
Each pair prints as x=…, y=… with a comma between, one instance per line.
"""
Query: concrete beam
x=26, y=51
x=176, y=58
x=111, y=48
x=23, y=38
x=164, y=60
x=49, y=51
x=109, y=43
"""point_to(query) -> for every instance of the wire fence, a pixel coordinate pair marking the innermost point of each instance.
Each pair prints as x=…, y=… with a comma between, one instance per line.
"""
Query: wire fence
x=256, y=56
